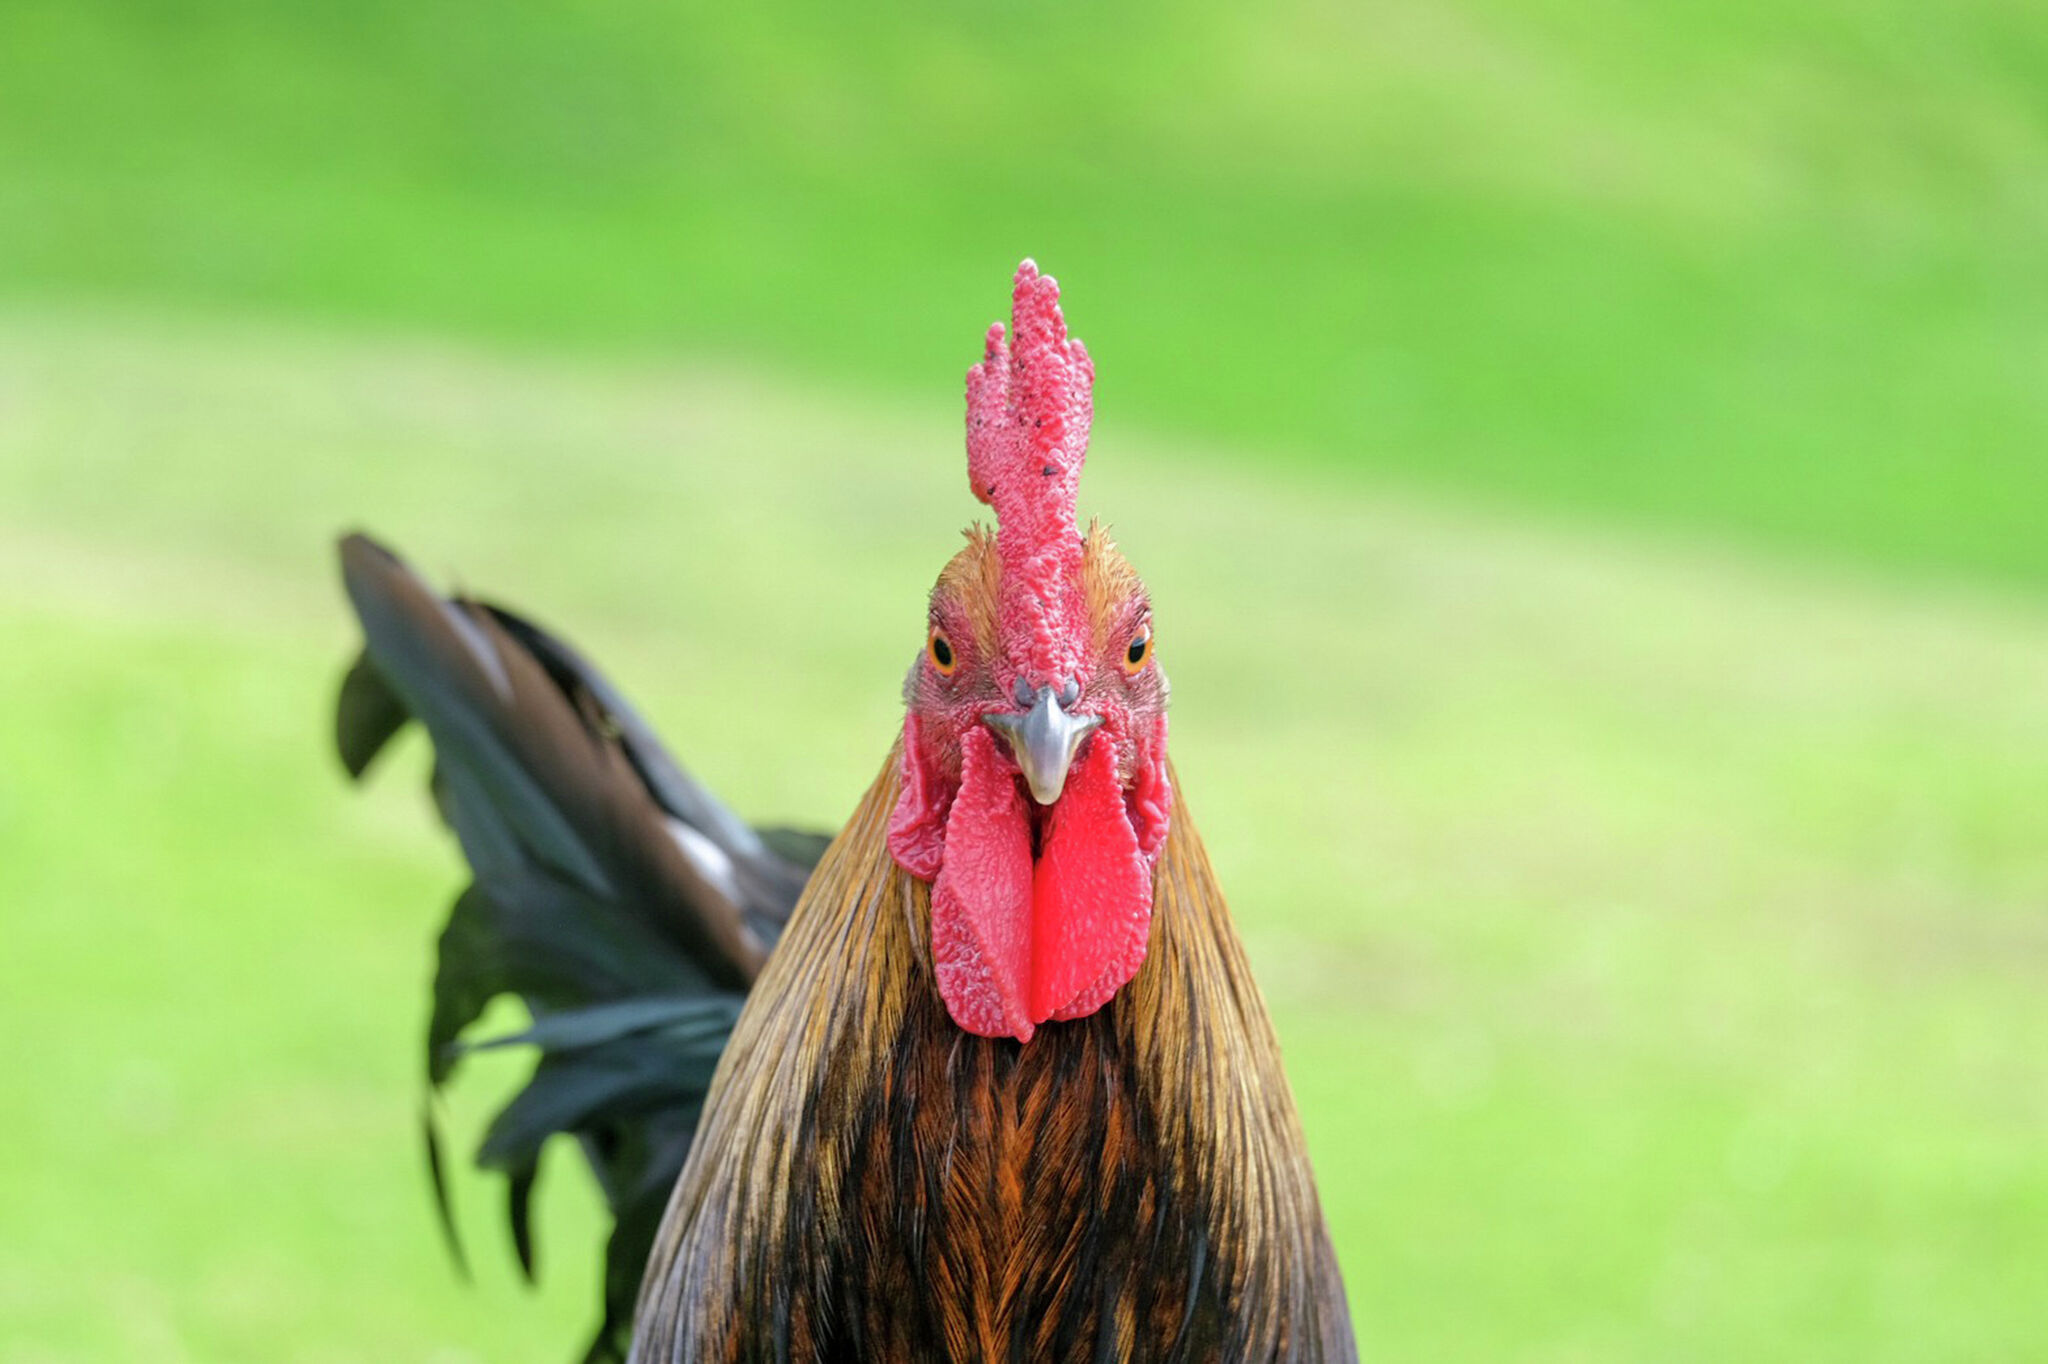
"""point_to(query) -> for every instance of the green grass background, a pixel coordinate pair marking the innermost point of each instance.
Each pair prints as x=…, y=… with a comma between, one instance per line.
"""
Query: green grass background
x=1589, y=458
x=1772, y=268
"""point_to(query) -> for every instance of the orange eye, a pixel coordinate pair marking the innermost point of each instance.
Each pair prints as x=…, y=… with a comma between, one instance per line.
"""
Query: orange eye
x=1137, y=651
x=941, y=651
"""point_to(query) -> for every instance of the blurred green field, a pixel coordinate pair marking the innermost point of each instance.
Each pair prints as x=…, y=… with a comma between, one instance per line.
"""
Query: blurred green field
x=1656, y=935
x=1769, y=269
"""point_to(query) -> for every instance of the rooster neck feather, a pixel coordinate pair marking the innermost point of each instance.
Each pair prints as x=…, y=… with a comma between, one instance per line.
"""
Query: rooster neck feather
x=872, y=1182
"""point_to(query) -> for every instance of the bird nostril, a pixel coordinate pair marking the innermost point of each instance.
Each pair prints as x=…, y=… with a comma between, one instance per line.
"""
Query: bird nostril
x=1070, y=691
x=1022, y=691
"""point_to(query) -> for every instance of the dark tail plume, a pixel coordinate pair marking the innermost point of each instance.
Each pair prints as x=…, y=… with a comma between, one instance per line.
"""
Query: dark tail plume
x=618, y=899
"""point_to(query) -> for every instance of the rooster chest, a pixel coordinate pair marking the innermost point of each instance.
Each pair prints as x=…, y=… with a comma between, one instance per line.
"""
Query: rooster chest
x=1007, y=1201
x=875, y=1183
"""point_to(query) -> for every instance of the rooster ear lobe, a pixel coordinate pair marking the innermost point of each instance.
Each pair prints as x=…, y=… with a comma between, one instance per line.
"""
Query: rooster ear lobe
x=1152, y=796
x=917, y=828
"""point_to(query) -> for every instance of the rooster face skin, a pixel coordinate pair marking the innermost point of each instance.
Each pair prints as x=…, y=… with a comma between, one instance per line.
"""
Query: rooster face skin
x=1035, y=797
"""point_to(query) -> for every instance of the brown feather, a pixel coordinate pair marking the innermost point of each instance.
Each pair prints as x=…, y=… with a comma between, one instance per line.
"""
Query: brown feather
x=871, y=1182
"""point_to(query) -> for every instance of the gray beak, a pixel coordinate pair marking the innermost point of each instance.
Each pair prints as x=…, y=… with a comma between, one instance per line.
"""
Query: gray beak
x=1043, y=739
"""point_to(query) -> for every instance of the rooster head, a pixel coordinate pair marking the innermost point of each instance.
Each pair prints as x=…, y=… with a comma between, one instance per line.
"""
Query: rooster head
x=1035, y=794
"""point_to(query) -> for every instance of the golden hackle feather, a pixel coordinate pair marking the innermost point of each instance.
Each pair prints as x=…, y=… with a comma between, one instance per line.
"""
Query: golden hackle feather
x=873, y=1182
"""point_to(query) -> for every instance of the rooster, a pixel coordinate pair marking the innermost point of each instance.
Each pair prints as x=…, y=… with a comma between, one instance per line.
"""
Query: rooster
x=985, y=1078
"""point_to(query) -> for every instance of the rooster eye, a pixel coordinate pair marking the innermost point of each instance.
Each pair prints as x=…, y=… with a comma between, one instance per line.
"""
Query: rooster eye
x=941, y=650
x=1139, y=650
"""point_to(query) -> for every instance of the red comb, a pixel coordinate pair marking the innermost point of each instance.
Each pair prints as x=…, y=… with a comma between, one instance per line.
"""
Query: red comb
x=1029, y=405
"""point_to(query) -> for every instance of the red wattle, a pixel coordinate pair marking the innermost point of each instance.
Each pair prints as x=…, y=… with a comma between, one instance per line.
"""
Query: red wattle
x=981, y=901
x=1091, y=899
x=1014, y=941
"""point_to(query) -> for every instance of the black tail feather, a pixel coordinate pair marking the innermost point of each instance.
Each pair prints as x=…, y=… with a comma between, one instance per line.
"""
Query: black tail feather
x=621, y=902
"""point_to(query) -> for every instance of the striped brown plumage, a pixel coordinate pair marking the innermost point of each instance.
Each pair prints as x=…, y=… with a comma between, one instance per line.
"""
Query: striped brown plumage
x=871, y=1182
